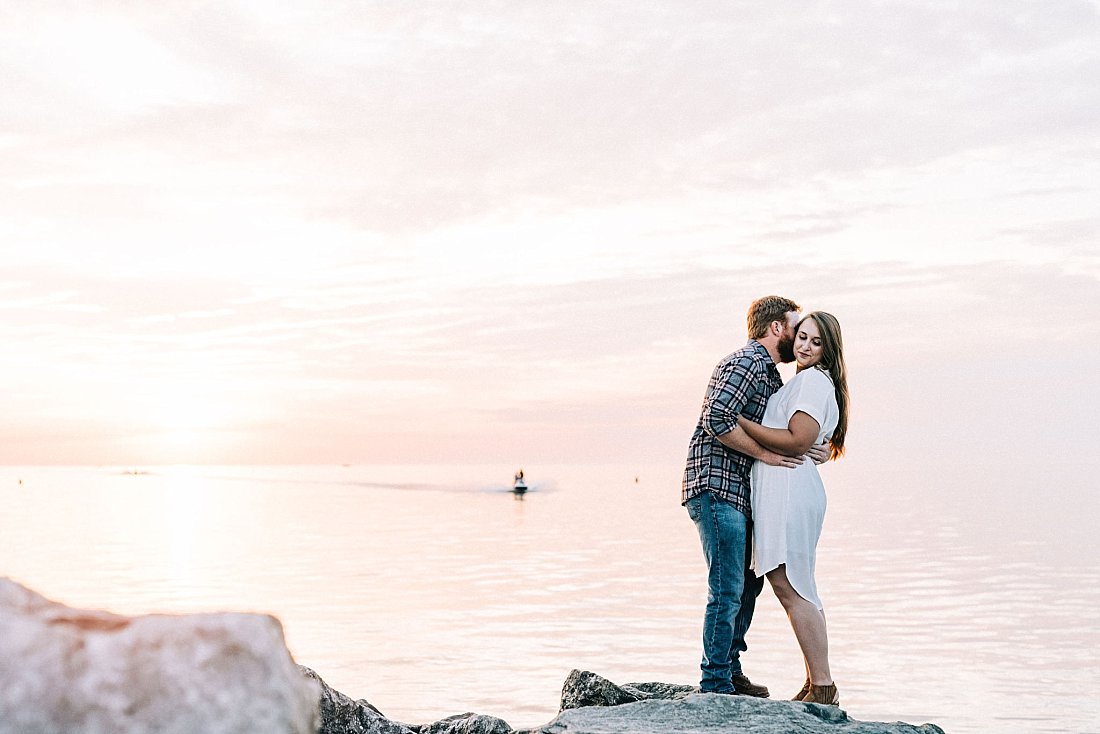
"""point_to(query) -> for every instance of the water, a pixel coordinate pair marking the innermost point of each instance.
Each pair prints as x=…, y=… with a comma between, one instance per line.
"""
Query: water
x=432, y=590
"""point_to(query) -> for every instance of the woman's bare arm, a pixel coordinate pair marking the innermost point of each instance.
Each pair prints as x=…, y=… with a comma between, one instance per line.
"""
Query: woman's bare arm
x=794, y=440
x=741, y=442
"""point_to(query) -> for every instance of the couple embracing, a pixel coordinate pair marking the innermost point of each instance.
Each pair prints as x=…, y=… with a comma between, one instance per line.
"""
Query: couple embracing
x=752, y=488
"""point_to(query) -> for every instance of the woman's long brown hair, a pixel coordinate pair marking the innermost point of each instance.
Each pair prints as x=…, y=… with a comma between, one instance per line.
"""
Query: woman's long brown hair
x=832, y=362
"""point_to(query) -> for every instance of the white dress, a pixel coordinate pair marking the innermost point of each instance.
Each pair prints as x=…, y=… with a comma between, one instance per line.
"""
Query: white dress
x=788, y=505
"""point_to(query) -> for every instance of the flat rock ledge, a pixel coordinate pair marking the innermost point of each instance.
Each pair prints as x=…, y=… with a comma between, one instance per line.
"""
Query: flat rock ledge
x=591, y=704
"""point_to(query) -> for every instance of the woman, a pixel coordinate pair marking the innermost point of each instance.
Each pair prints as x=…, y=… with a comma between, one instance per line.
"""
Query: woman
x=788, y=505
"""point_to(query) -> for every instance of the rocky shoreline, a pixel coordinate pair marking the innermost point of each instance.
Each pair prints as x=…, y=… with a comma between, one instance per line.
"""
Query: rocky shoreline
x=591, y=704
x=92, y=672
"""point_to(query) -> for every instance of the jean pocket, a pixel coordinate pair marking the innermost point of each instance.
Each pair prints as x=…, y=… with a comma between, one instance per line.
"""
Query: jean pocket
x=694, y=508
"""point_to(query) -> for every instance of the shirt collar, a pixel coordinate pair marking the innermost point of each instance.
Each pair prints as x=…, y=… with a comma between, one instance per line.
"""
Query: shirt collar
x=762, y=351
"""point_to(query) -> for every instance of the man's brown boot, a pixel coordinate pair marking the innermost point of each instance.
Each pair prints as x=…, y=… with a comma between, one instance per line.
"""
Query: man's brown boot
x=744, y=686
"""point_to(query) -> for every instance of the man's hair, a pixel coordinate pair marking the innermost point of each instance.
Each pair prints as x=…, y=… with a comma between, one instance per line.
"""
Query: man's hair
x=765, y=310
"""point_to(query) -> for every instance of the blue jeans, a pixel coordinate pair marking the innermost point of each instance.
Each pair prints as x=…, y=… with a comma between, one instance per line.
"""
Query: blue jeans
x=732, y=588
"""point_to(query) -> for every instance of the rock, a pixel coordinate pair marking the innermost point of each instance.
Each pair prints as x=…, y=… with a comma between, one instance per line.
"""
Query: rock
x=90, y=672
x=711, y=712
x=582, y=688
x=341, y=715
x=659, y=690
x=467, y=724
x=594, y=705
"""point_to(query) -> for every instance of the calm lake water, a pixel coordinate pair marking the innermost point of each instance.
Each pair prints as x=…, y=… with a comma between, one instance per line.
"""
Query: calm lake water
x=432, y=590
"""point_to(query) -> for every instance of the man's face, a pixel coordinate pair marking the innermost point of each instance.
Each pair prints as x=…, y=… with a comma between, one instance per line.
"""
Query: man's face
x=786, y=342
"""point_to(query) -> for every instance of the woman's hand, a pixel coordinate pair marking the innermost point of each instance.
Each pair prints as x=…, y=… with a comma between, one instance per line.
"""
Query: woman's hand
x=773, y=459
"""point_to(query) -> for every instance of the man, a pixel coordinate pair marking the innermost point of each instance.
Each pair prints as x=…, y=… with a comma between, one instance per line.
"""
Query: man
x=716, y=487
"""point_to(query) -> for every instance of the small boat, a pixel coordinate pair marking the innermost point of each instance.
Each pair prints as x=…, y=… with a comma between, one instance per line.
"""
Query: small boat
x=520, y=486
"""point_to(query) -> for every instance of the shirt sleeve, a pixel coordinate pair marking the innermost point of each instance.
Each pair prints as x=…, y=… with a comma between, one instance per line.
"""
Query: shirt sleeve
x=732, y=386
x=816, y=398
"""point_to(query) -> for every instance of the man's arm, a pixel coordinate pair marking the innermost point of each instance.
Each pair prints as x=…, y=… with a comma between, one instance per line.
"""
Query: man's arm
x=819, y=453
x=732, y=386
x=730, y=392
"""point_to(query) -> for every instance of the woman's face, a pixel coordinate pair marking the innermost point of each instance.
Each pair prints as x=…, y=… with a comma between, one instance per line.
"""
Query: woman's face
x=807, y=345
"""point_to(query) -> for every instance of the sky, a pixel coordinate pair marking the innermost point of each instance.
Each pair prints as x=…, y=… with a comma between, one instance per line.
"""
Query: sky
x=522, y=232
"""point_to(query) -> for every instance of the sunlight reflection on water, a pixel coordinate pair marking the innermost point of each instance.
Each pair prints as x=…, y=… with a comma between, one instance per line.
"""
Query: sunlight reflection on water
x=430, y=591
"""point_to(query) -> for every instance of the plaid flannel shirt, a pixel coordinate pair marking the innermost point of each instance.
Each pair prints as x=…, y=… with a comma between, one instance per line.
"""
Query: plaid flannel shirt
x=740, y=385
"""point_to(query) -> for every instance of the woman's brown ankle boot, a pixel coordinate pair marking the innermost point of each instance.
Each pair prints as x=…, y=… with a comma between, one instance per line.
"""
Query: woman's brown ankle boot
x=823, y=694
x=801, y=695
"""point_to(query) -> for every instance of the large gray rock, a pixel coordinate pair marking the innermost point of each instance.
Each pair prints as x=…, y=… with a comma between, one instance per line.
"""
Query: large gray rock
x=90, y=672
x=591, y=704
x=707, y=713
